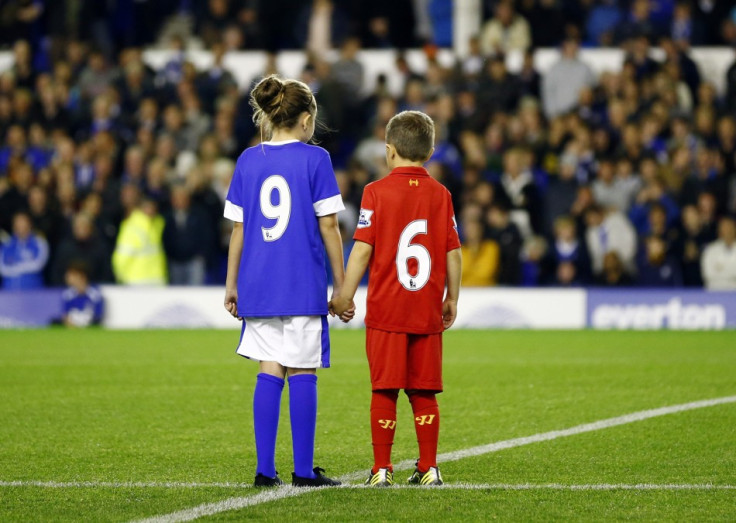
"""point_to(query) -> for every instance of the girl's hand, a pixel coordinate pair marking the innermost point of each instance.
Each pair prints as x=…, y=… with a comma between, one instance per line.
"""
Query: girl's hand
x=231, y=302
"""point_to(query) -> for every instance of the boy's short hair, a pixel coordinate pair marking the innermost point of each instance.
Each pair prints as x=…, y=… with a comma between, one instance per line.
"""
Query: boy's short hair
x=79, y=267
x=412, y=133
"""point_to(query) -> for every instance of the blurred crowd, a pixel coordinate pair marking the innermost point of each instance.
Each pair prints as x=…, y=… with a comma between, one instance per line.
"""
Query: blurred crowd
x=273, y=25
x=119, y=171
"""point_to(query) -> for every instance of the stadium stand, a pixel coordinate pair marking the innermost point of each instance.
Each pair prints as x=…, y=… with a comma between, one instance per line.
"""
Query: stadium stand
x=562, y=175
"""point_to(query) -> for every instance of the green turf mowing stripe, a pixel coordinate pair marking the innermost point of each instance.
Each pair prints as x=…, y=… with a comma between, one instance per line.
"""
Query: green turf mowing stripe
x=457, y=486
x=236, y=503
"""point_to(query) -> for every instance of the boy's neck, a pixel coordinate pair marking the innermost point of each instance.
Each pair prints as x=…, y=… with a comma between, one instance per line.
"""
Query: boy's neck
x=406, y=163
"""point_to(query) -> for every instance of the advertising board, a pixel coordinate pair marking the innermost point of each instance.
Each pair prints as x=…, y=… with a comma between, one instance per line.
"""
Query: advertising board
x=659, y=309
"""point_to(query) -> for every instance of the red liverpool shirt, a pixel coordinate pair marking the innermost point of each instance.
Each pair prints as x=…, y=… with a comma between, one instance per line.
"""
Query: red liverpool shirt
x=408, y=219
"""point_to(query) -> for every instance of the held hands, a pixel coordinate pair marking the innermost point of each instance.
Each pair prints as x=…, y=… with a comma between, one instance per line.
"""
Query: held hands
x=449, y=312
x=342, y=308
x=231, y=302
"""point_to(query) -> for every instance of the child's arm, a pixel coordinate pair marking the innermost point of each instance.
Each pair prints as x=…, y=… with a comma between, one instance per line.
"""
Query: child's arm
x=454, y=270
x=330, y=231
x=357, y=264
x=233, y=266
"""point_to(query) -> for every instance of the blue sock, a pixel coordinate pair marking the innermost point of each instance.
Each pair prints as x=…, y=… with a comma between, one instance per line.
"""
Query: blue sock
x=303, y=410
x=266, y=408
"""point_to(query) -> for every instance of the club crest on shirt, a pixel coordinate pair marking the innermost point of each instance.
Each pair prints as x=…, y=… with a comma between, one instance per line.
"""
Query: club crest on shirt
x=364, y=220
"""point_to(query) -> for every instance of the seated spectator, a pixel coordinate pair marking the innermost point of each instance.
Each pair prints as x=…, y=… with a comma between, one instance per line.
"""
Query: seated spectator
x=520, y=192
x=562, y=83
x=707, y=213
x=601, y=23
x=627, y=181
x=529, y=79
x=14, y=145
x=656, y=267
x=719, y=257
x=535, y=264
x=566, y=275
x=188, y=239
x=498, y=91
x=707, y=177
x=693, y=242
x=472, y=64
x=568, y=249
x=653, y=193
x=14, y=198
x=371, y=151
x=96, y=77
x=638, y=22
x=46, y=220
x=508, y=238
x=657, y=226
x=480, y=256
x=23, y=256
x=607, y=189
x=613, y=273
x=507, y=30
x=81, y=303
x=562, y=191
x=583, y=201
x=216, y=80
x=547, y=21
x=606, y=232
x=139, y=257
x=84, y=245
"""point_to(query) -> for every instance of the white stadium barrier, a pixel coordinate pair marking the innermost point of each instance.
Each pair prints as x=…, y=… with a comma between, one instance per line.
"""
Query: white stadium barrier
x=247, y=66
x=201, y=307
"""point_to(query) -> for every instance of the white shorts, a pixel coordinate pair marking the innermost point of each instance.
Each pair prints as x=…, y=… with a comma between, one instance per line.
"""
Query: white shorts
x=298, y=342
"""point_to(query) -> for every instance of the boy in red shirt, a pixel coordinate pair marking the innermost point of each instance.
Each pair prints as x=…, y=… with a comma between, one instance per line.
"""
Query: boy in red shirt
x=408, y=235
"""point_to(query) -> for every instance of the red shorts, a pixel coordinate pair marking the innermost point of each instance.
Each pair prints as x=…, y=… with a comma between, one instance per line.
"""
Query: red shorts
x=398, y=360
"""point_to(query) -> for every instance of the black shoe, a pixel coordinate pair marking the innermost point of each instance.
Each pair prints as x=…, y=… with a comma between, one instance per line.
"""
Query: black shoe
x=265, y=481
x=320, y=480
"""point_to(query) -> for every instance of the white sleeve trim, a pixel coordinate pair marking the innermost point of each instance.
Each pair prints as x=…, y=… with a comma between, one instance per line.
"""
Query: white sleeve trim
x=331, y=205
x=233, y=212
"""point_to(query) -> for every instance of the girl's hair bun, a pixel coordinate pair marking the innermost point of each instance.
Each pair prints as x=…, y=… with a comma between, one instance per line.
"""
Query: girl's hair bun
x=267, y=94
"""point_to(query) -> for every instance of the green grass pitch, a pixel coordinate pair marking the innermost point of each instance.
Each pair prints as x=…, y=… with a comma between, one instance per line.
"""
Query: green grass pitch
x=112, y=416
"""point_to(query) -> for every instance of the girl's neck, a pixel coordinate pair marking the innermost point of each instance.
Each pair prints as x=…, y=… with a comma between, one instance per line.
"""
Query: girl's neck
x=282, y=135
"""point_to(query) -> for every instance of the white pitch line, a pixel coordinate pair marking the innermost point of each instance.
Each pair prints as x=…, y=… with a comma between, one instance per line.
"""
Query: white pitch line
x=594, y=486
x=451, y=486
x=237, y=503
x=123, y=484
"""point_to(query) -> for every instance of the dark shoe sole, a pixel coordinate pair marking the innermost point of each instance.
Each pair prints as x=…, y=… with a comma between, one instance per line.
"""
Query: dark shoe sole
x=264, y=481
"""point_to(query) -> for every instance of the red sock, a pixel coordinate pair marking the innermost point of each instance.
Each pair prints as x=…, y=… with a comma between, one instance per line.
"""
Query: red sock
x=427, y=424
x=383, y=427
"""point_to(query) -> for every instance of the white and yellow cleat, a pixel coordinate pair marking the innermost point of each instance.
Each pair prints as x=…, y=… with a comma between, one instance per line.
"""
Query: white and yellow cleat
x=382, y=478
x=431, y=477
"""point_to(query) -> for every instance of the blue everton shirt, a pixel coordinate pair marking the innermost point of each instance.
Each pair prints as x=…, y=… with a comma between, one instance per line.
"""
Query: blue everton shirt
x=278, y=191
x=83, y=309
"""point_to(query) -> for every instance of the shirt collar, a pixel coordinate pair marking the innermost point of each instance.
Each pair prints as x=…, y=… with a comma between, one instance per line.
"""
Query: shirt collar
x=282, y=142
x=411, y=171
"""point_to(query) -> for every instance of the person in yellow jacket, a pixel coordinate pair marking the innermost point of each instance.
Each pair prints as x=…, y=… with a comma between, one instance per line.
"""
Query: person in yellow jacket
x=480, y=257
x=139, y=257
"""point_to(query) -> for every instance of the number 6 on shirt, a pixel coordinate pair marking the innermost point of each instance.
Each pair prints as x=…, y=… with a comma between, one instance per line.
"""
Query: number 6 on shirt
x=417, y=251
x=280, y=212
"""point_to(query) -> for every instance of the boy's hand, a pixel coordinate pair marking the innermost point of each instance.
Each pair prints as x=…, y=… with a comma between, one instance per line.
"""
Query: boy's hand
x=231, y=302
x=342, y=307
x=449, y=313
